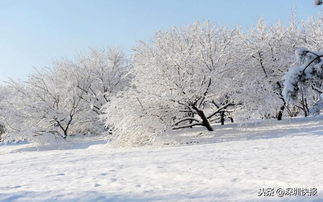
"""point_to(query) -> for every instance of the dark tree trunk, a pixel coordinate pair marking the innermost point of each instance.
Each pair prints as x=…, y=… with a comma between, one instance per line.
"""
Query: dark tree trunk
x=280, y=113
x=282, y=108
x=304, y=105
x=306, y=111
x=65, y=134
x=191, y=121
x=222, y=118
x=205, y=122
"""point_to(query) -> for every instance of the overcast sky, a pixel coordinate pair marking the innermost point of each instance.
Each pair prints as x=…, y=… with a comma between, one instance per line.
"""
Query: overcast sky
x=33, y=33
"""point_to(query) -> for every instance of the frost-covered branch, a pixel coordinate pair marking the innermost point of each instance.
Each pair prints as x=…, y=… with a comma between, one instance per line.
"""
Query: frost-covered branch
x=307, y=76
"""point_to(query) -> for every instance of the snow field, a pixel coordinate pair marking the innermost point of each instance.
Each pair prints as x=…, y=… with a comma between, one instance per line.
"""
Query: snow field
x=232, y=169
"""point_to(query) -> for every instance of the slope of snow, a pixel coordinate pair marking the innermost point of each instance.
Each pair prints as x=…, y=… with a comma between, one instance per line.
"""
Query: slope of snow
x=239, y=160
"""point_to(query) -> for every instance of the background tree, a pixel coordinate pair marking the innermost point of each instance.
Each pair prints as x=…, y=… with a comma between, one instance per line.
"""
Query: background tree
x=66, y=99
x=265, y=54
x=3, y=95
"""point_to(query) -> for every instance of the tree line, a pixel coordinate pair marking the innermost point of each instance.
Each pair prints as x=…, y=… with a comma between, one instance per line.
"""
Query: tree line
x=192, y=76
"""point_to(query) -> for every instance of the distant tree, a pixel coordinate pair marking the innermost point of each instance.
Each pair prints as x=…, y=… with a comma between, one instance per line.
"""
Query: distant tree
x=264, y=54
x=4, y=92
x=101, y=75
x=66, y=99
x=263, y=57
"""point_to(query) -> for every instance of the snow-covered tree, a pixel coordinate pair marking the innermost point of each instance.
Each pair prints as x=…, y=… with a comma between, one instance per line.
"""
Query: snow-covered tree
x=308, y=92
x=305, y=79
x=262, y=63
x=264, y=55
x=194, y=76
x=183, y=78
x=187, y=70
x=197, y=75
x=66, y=99
x=3, y=94
x=101, y=75
x=47, y=103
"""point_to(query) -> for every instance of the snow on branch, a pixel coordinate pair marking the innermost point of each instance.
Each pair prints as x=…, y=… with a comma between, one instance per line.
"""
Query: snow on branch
x=310, y=67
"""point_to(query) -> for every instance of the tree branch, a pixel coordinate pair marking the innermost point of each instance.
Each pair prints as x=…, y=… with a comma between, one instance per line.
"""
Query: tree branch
x=219, y=109
x=185, y=119
x=187, y=126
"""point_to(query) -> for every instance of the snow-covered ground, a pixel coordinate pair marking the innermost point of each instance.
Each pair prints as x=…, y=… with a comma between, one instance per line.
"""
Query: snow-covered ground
x=230, y=164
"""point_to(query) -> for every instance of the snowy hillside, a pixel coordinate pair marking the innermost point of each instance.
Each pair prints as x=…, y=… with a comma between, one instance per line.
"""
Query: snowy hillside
x=233, y=163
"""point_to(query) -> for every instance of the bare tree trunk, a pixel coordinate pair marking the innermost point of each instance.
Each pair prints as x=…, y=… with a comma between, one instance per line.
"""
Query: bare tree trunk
x=205, y=121
x=304, y=105
x=222, y=118
x=65, y=134
x=191, y=121
x=282, y=108
x=280, y=113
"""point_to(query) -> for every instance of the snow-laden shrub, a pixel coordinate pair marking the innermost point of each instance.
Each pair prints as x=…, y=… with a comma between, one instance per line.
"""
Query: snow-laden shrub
x=130, y=124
